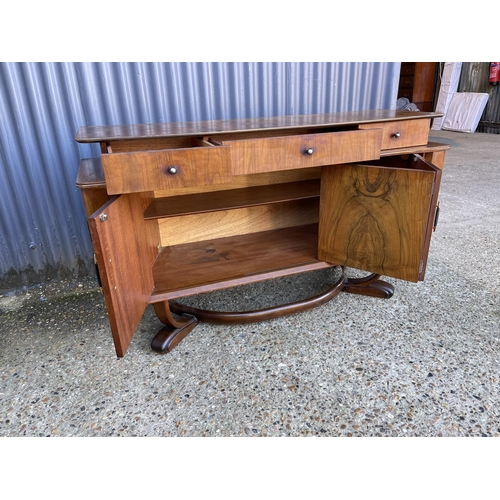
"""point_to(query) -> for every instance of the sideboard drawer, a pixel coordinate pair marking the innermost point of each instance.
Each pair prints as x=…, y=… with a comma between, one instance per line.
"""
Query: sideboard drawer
x=166, y=169
x=266, y=154
x=402, y=133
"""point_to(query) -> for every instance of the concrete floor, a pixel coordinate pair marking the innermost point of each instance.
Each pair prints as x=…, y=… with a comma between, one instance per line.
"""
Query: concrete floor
x=424, y=363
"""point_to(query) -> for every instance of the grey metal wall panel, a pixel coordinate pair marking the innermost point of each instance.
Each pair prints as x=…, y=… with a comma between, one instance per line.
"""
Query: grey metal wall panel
x=43, y=231
x=474, y=77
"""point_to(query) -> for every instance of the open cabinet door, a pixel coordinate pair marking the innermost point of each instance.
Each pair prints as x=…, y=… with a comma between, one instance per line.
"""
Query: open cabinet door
x=376, y=218
x=125, y=249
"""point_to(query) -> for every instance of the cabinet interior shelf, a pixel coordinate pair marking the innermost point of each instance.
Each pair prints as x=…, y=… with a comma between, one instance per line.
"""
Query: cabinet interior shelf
x=203, y=266
x=231, y=199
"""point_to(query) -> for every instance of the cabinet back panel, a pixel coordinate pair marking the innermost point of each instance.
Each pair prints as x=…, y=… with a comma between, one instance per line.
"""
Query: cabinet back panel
x=206, y=226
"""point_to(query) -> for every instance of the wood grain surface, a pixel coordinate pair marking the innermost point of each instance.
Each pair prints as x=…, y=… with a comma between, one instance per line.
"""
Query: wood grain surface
x=375, y=218
x=205, y=226
x=188, y=269
x=125, y=247
x=149, y=170
x=235, y=198
x=214, y=127
x=400, y=134
x=251, y=156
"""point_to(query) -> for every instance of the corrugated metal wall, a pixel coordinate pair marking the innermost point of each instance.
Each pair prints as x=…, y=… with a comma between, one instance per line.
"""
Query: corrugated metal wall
x=43, y=231
x=474, y=77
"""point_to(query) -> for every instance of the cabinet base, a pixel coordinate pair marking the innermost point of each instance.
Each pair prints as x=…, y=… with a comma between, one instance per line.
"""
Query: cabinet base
x=371, y=286
x=175, y=330
x=262, y=314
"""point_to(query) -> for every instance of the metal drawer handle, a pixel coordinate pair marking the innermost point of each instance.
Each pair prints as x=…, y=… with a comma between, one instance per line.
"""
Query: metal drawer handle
x=397, y=135
x=309, y=151
x=172, y=170
x=436, y=217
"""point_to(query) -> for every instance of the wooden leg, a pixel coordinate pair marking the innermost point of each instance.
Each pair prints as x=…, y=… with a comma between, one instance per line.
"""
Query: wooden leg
x=173, y=331
x=370, y=285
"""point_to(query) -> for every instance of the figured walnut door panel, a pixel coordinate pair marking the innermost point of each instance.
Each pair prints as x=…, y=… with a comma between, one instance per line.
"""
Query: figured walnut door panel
x=125, y=249
x=375, y=218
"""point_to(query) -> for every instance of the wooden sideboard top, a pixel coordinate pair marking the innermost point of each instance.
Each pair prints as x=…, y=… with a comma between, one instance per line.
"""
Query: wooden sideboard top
x=214, y=127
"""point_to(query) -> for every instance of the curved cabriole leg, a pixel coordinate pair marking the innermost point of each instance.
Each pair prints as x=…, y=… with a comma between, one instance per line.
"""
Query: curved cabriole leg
x=370, y=285
x=173, y=331
x=262, y=314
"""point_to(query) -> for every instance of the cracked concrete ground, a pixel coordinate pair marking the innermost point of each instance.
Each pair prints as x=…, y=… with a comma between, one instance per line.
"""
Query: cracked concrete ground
x=424, y=363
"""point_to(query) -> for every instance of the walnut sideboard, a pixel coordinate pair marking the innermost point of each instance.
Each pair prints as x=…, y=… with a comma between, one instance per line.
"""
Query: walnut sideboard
x=178, y=209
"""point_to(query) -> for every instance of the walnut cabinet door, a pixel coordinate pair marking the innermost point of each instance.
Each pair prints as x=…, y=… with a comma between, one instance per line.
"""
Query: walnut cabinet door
x=125, y=246
x=378, y=216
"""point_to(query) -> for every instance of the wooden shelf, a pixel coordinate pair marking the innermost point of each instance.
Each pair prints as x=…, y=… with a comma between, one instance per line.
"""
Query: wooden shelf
x=430, y=147
x=234, y=198
x=204, y=266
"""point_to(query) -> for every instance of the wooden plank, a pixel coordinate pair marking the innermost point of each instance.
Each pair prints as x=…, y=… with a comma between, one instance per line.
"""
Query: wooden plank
x=429, y=148
x=375, y=218
x=423, y=88
x=206, y=226
x=90, y=174
x=437, y=157
x=217, y=127
x=243, y=181
x=236, y=198
x=125, y=247
x=204, y=266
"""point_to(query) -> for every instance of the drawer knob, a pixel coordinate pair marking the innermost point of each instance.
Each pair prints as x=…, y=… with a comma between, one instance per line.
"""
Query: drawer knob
x=397, y=135
x=172, y=170
x=309, y=151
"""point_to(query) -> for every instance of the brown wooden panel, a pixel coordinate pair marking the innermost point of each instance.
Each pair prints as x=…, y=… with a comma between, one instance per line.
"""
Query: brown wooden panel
x=407, y=68
x=401, y=134
x=149, y=170
x=434, y=160
x=125, y=247
x=375, y=218
x=437, y=157
x=236, y=198
x=434, y=154
x=155, y=144
x=214, y=127
x=200, y=267
x=406, y=82
x=90, y=174
x=423, y=89
x=207, y=226
x=93, y=199
x=428, y=150
x=242, y=181
x=252, y=156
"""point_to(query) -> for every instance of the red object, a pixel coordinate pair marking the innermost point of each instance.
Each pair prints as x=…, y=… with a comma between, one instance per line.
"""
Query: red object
x=494, y=73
